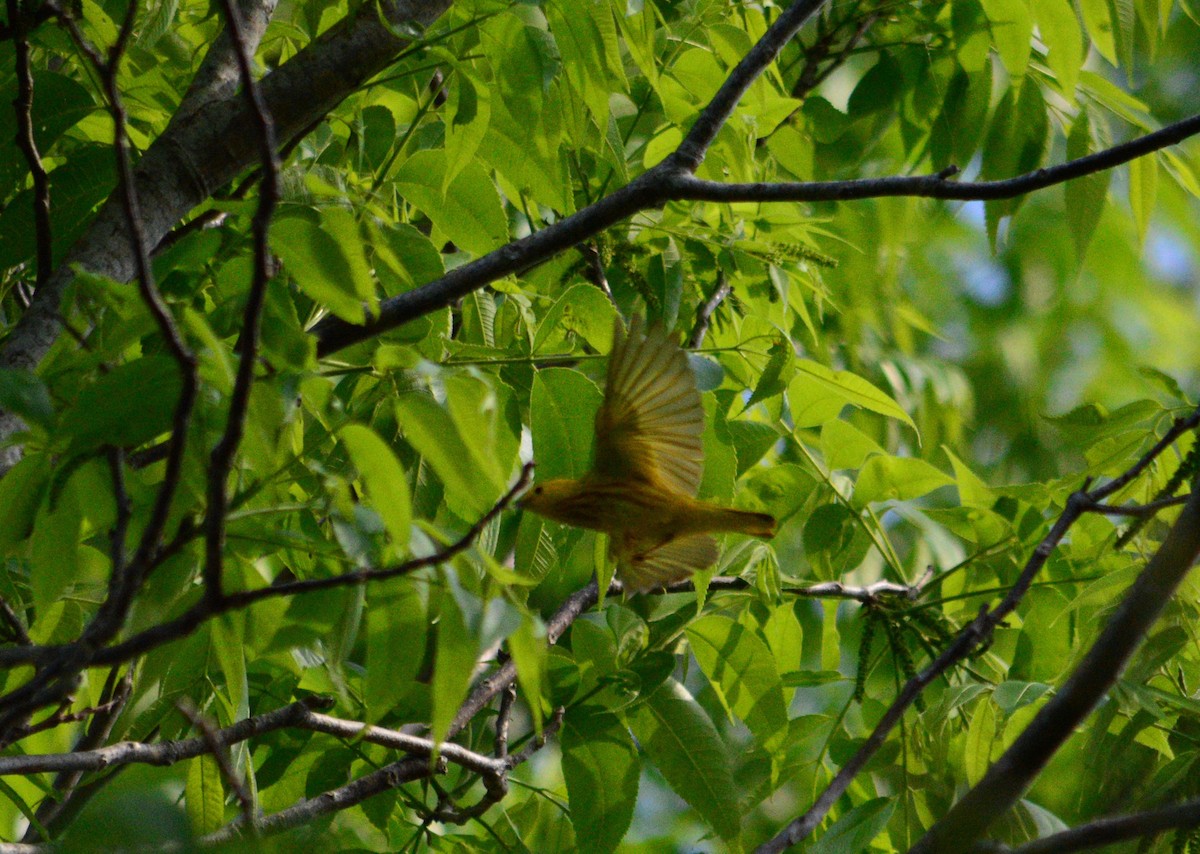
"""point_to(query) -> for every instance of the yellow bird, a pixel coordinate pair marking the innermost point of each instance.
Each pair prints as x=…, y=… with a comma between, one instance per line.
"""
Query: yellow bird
x=646, y=468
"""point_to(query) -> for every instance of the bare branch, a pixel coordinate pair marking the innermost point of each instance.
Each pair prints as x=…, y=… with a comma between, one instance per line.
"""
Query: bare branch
x=978, y=631
x=1108, y=831
x=219, y=749
x=1139, y=510
x=669, y=182
x=15, y=626
x=19, y=21
x=1013, y=772
x=71, y=796
x=386, y=778
x=192, y=619
x=691, y=151
x=163, y=753
x=937, y=186
x=705, y=312
x=221, y=459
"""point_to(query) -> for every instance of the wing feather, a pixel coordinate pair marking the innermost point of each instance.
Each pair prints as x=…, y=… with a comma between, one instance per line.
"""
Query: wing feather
x=650, y=424
x=672, y=562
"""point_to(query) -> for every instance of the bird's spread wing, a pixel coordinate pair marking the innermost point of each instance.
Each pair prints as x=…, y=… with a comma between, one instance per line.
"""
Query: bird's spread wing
x=674, y=561
x=650, y=424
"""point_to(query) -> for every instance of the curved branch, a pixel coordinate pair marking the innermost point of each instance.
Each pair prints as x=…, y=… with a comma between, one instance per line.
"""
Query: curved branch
x=671, y=180
x=1107, y=831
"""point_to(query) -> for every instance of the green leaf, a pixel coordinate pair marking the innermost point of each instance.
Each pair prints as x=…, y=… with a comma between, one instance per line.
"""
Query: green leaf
x=204, y=795
x=743, y=674
x=23, y=393
x=774, y=377
x=1143, y=191
x=1015, y=144
x=1098, y=21
x=1084, y=196
x=59, y=103
x=485, y=414
x=896, y=478
x=320, y=266
x=818, y=394
x=468, y=213
x=469, y=107
x=586, y=38
x=129, y=405
x=20, y=496
x=971, y=36
x=405, y=258
x=452, y=666
x=845, y=446
x=582, y=310
x=981, y=735
x=684, y=745
x=430, y=429
x=1012, y=33
x=385, y=480
x=855, y=830
x=55, y=548
x=601, y=767
x=562, y=416
x=397, y=632
x=528, y=648
x=1060, y=30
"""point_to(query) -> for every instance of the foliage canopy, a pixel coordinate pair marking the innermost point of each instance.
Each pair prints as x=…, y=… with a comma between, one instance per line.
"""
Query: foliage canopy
x=276, y=486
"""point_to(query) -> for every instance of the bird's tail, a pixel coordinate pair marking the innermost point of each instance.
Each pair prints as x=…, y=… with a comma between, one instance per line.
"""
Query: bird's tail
x=746, y=522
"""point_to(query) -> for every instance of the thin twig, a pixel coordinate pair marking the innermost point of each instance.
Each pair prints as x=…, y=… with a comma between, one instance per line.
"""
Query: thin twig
x=218, y=748
x=190, y=620
x=1139, y=510
x=385, y=779
x=975, y=633
x=705, y=312
x=71, y=797
x=19, y=633
x=19, y=23
x=162, y=753
x=597, y=275
x=221, y=459
x=1108, y=831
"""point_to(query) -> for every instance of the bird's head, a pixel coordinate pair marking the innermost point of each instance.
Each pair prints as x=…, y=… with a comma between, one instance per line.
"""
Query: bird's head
x=550, y=498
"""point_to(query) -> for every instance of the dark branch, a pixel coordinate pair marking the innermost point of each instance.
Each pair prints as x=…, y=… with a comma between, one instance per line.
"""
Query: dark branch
x=978, y=631
x=1092, y=678
x=221, y=459
x=688, y=187
x=20, y=25
x=1108, y=831
x=705, y=312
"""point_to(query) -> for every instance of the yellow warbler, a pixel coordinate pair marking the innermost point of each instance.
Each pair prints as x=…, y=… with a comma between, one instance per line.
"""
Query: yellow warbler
x=646, y=468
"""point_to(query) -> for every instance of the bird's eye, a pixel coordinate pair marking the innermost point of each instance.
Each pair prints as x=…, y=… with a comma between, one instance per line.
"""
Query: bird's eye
x=537, y=490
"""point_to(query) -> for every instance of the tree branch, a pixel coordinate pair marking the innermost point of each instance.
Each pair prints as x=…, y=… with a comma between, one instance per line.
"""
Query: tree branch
x=705, y=312
x=1108, y=831
x=1015, y=770
x=207, y=149
x=198, y=614
x=688, y=187
x=976, y=632
x=19, y=23
x=221, y=459
x=670, y=181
